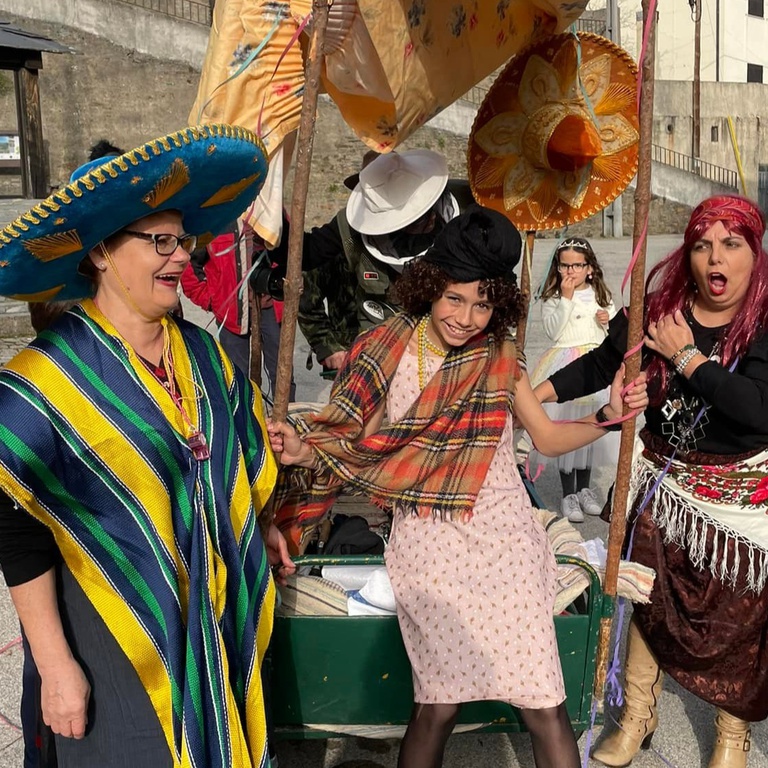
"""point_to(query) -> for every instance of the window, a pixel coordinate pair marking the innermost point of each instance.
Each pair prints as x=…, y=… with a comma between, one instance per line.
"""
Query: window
x=755, y=8
x=754, y=73
x=714, y=134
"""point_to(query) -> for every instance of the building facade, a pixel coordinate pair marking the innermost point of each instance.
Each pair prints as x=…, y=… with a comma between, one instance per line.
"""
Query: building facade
x=734, y=38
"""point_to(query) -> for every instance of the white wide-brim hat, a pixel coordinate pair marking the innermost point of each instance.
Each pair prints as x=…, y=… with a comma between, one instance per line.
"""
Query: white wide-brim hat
x=395, y=190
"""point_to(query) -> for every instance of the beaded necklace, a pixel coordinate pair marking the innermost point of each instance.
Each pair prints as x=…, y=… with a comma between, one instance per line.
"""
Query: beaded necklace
x=424, y=346
x=164, y=374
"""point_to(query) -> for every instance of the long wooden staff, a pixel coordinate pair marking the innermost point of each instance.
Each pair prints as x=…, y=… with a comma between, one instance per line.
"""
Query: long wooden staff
x=635, y=338
x=293, y=279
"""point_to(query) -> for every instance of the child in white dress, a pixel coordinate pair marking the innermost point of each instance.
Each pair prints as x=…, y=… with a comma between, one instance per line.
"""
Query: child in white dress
x=576, y=307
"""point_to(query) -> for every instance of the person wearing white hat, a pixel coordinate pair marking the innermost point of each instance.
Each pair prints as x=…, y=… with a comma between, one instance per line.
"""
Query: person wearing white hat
x=399, y=202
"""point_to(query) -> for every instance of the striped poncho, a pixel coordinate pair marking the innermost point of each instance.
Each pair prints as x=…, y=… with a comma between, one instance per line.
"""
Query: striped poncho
x=166, y=548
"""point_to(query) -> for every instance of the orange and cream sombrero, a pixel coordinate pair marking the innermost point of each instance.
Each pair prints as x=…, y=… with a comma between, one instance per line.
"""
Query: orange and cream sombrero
x=556, y=138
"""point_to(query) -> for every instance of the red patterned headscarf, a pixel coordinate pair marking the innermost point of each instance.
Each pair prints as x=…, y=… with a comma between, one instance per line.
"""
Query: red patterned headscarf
x=737, y=213
x=670, y=284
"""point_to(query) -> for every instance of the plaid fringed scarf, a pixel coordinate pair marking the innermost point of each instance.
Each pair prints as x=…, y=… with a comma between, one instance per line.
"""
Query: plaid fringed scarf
x=434, y=460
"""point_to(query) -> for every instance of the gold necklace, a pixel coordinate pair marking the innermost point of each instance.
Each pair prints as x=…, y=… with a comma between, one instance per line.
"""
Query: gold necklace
x=423, y=346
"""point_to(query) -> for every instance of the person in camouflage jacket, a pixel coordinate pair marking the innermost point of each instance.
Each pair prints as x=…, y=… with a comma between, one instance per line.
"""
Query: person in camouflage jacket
x=349, y=275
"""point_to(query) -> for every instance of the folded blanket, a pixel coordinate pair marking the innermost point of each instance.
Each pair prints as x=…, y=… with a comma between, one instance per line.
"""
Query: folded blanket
x=349, y=577
x=635, y=581
x=311, y=596
x=377, y=591
x=357, y=605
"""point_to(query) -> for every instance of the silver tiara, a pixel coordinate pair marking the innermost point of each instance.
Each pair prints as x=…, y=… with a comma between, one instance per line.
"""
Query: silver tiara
x=572, y=244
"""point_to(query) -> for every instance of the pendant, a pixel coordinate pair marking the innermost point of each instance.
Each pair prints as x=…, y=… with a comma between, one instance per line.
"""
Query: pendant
x=671, y=407
x=199, y=446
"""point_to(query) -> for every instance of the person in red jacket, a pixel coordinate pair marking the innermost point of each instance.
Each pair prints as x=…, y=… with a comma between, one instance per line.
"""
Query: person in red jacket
x=213, y=281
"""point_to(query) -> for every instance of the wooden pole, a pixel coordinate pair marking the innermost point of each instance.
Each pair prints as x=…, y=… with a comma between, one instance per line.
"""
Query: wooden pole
x=33, y=175
x=635, y=337
x=696, y=112
x=525, y=289
x=293, y=277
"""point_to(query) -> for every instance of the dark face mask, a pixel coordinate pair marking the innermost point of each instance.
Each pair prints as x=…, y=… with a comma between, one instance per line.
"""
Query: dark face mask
x=409, y=245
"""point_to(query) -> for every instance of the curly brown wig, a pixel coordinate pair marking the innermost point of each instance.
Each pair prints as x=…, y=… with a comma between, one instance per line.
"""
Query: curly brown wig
x=422, y=283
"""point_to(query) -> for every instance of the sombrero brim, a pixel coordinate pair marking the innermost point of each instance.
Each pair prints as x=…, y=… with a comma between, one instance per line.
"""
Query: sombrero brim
x=503, y=144
x=209, y=173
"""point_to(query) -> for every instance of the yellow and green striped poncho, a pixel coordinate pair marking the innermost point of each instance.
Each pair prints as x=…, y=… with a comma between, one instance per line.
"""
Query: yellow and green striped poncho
x=166, y=548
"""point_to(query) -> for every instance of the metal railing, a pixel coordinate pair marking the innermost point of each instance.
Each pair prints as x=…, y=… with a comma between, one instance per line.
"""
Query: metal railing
x=196, y=11
x=695, y=165
x=596, y=26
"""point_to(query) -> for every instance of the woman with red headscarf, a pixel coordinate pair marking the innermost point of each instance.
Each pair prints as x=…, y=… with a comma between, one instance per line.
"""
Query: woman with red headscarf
x=705, y=529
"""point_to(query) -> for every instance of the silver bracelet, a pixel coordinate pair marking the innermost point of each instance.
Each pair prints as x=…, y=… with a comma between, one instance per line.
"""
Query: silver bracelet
x=682, y=363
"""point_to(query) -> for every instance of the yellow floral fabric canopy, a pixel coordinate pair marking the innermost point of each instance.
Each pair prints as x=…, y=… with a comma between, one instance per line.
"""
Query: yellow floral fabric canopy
x=390, y=67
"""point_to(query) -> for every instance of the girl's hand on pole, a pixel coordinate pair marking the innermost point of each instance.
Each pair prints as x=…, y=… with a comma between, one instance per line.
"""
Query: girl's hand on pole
x=670, y=334
x=615, y=409
x=286, y=443
x=636, y=396
x=277, y=554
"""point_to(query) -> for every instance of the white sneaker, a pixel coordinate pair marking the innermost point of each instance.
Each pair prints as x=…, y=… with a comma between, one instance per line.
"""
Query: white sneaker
x=571, y=509
x=589, y=502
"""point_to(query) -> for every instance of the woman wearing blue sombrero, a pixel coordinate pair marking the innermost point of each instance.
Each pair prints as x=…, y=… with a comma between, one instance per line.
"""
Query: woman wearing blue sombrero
x=133, y=468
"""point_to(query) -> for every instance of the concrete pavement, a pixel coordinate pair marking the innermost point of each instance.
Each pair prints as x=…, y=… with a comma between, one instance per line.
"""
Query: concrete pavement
x=686, y=732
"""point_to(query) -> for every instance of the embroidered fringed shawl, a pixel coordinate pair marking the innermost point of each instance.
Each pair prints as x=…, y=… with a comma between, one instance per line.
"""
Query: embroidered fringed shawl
x=716, y=512
x=433, y=461
x=167, y=549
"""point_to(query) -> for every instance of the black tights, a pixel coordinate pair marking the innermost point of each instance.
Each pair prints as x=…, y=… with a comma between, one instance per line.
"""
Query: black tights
x=552, y=738
x=428, y=731
x=554, y=745
x=575, y=481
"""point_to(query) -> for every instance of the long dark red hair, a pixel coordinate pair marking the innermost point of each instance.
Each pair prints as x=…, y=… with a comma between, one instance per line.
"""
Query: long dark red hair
x=670, y=284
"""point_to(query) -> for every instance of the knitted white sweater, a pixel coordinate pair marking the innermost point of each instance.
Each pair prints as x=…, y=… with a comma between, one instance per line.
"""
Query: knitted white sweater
x=573, y=322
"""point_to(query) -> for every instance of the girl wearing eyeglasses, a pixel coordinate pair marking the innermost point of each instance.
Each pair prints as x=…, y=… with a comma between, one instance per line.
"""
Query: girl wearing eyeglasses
x=575, y=310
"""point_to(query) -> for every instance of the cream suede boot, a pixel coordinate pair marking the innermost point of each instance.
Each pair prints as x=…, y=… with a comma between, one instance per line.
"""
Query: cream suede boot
x=642, y=686
x=732, y=743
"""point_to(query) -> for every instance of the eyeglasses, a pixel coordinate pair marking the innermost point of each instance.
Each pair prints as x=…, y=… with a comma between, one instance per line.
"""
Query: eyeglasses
x=166, y=245
x=572, y=267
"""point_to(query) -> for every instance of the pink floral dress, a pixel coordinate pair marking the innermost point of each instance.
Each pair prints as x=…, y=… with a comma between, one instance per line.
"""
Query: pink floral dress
x=475, y=600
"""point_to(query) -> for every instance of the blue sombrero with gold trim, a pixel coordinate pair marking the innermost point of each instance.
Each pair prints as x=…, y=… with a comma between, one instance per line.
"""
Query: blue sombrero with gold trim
x=209, y=173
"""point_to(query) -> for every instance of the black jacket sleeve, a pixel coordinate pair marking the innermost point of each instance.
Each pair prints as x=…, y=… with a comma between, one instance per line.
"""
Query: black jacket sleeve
x=198, y=259
x=594, y=371
x=27, y=547
x=321, y=245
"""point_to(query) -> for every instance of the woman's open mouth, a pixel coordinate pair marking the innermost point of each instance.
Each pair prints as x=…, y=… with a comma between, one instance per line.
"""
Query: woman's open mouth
x=171, y=279
x=717, y=282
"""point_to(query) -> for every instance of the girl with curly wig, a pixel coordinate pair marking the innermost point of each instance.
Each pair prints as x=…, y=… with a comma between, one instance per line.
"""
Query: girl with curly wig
x=705, y=531
x=448, y=379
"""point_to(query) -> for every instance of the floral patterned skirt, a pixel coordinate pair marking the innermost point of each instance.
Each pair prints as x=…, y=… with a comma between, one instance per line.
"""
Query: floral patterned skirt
x=709, y=634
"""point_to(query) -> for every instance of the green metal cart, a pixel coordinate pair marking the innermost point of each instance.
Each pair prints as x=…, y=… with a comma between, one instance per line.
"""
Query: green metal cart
x=333, y=672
